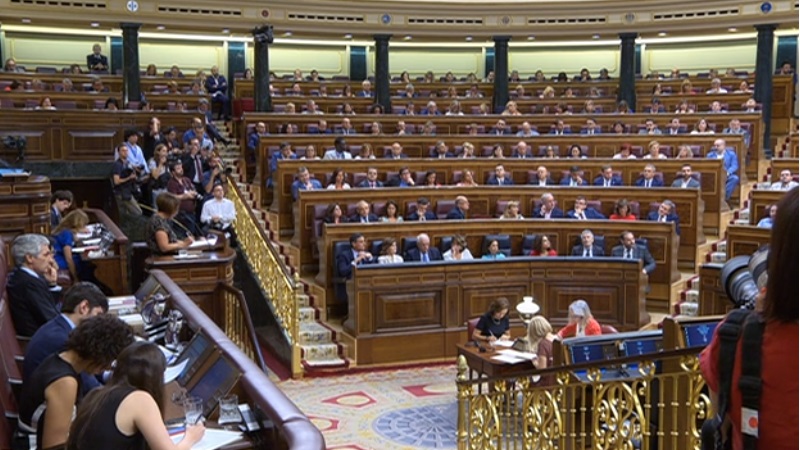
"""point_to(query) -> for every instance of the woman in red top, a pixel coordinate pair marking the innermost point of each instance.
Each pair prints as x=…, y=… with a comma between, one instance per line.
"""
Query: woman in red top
x=622, y=211
x=778, y=410
x=541, y=246
x=581, y=323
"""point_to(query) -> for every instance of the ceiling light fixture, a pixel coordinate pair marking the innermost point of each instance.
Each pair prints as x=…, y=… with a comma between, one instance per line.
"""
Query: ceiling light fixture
x=160, y=27
x=732, y=30
x=348, y=36
x=596, y=36
x=26, y=20
x=468, y=38
x=94, y=24
x=531, y=38
x=662, y=33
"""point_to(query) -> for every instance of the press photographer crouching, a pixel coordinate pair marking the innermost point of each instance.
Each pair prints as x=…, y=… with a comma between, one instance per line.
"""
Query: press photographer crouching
x=751, y=365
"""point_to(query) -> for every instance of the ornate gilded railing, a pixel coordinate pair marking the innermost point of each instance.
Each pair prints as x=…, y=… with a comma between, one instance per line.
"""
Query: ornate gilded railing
x=649, y=409
x=236, y=323
x=273, y=276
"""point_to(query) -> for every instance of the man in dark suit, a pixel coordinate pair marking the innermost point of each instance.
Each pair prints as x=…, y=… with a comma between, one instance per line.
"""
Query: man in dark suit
x=60, y=201
x=500, y=177
x=542, y=177
x=422, y=214
x=356, y=255
x=548, y=208
x=32, y=290
x=96, y=61
x=575, y=178
x=686, y=181
x=559, y=128
x=587, y=249
x=423, y=252
x=666, y=213
x=440, y=151
x=500, y=129
x=362, y=214
x=607, y=178
x=372, y=181
x=396, y=152
x=460, y=210
x=583, y=212
x=629, y=249
x=81, y=301
x=648, y=178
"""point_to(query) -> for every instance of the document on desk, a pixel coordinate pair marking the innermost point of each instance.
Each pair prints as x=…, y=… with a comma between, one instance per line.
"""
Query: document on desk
x=517, y=354
x=503, y=343
x=508, y=359
x=172, y=372
x=212, y=439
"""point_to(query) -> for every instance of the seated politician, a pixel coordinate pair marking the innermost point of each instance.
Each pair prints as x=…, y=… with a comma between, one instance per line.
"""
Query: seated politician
x=548, y=208
x=666, y=213
x=629, y=249
x=423, y=252
x=422, y=213
x=587, y=247
x=32, y=291
x=583, y=212
x=159, y=233
x=494, y=324
x=580, y=321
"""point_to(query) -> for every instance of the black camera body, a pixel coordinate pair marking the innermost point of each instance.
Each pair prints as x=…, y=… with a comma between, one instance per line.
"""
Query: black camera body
x=743, y=277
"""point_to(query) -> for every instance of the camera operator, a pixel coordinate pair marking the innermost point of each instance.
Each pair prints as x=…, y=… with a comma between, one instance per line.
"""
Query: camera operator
x=135, y=155
x=198, y=131
x=153, y=137
x=772, y=423
x=125, y=177
x=183, y=188
x=216, y=174
x=194, y=164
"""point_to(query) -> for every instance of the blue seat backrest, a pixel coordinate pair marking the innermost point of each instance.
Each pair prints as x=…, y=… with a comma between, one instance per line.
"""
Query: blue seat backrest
x=338, y=248
x=527, y=244
x=444, y=244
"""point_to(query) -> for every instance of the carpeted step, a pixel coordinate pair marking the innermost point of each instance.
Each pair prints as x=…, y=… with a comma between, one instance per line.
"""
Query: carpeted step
x=688, y=309
x=303, y=300
x=321, y=355
x=694, y=283
x=307, y=314
x=690, y=295
x=314, y=334
x=717, y=257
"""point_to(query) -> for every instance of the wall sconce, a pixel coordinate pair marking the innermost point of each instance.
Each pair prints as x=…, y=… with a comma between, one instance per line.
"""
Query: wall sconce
x=527, y=309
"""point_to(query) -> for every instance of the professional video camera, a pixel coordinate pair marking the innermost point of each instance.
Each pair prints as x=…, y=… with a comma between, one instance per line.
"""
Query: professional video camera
x=744, y=276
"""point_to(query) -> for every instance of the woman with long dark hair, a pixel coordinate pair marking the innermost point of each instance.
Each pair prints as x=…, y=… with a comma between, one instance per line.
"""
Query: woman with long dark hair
x=127, y=412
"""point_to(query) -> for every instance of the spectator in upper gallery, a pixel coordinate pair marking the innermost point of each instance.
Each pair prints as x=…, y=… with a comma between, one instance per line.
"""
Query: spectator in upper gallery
x=421, y=214
x=654, y=151
x=716, y=87
x=96, y=61
x=500, y=177
x=730, y=162
x=786, y=181
x=583, y=212
x=61, y=201
x=607, y=177
x=459, y=211
x=735, y=127
x=622, y=211
x=767, y=221
x=625, y=152
x=304, y=182
x=650, y=127
x=548, y=208
x=685, y=180
x=666, y=213
x=648, y=178
x=587, y=248
x=674, y=127
x=542, y=246
x=542, y=177
x=575, y=178
x=701, y=127
x=366, y=89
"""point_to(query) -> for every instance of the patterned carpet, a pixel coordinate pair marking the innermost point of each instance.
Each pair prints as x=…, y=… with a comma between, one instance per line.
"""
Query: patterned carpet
x=386, y=410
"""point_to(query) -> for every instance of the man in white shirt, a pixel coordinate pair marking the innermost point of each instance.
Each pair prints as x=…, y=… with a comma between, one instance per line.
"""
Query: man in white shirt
x=716, y=87
x=786, y=182
x=219, y=213
x=686, y=181
x=340, y=150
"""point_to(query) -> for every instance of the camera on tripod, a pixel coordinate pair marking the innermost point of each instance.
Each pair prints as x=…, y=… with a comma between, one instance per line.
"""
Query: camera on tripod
x=743, y=277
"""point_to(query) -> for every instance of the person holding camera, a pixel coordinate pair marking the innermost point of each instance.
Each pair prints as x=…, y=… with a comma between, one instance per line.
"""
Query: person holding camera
x=216, y=175
x=124, y=176
x=184, y=190
x=760, y=403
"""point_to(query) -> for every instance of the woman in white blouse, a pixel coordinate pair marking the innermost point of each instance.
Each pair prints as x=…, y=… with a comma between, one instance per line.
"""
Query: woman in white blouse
x=389, y=252
x=458, y=250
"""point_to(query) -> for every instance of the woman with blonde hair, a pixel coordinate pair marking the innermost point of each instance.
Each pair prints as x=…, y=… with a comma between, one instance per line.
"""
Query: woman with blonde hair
x=468, y=179
x=580, y=321
x=512, y=211
x=540, y=343
x=469, y=151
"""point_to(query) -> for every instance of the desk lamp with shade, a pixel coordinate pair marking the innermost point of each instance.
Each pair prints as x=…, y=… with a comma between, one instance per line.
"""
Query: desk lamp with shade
x=527, y=309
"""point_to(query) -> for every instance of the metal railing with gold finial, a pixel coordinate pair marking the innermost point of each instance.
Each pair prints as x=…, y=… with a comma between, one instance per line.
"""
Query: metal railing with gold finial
x=646, y=407
x=276, y=280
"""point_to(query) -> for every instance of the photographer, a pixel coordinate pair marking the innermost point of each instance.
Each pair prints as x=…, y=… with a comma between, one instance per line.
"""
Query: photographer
x=216, y=175
x=771, y=421
x=124, y=176
x=183, y=189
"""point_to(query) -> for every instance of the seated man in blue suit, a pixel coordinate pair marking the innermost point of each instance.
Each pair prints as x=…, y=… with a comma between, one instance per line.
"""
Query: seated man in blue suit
x=583, y=212
x=422, y=214
x=423, y=252
x=548, y=208
x=363, y=215
x=648, y=178
x=685, y=180
x=459, y=212
x=356, y=256
x=575, y=178
x=629, y=249
x=731, y=163
x=607, y=178
x=587, y=248
x=666, y=213
x=81, y=301
x=372, y=181
x=500, y=178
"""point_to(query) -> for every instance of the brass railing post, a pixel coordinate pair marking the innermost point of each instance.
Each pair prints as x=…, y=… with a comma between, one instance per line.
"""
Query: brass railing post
x=464, y=393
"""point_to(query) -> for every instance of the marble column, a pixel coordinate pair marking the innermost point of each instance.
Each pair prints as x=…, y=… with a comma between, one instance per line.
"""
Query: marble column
x=131, y=87
x=627, y=71
x=263, y=97
x=382, y=75
x=500, y=73
x=765, y=66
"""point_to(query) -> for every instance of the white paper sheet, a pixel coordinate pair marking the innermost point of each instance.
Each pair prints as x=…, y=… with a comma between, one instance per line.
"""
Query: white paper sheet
x=507, y=358
x=212, y=439
x=517, y=354
x=503, y=343
x=172, y=372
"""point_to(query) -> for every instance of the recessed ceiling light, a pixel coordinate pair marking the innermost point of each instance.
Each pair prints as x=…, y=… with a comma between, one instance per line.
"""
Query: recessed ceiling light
x=733, y=29
x=596, y=36
x=348, y=36
x=468, y=38
x=408, y=37
x=226, y=30
x=531, y=38
x=94, y=24
x=287, y=34
x=662, y=34
x=26, y=20
x=161, y=28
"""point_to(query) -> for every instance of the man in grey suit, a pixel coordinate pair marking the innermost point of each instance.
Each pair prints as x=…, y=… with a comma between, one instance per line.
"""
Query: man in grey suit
x=686, y=180
x=629, y=249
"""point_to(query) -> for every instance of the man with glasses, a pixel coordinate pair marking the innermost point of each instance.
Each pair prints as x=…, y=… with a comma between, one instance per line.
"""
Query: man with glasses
x=32, y=290
x=731, y=163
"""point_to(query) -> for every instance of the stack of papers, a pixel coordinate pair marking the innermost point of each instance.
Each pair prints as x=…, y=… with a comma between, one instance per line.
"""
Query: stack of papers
x=212, y=439
x=503, y=343
x=512, y=356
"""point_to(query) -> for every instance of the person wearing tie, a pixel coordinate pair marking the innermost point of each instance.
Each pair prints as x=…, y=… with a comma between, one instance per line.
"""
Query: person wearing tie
x=674, y=127
x=629, y=249
x=500, y=178
x=340, y=150
x=421, y=214
x=587, y=248
x=648, y=178
x=591, y=127
x=607, y=177
x=583, y=212
x=346, y=260
x=423, y=252
x=372, y=181
x=559, y=128
x=575, y=178
x=666, y=213
x=363, y=215
x=304, y=182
